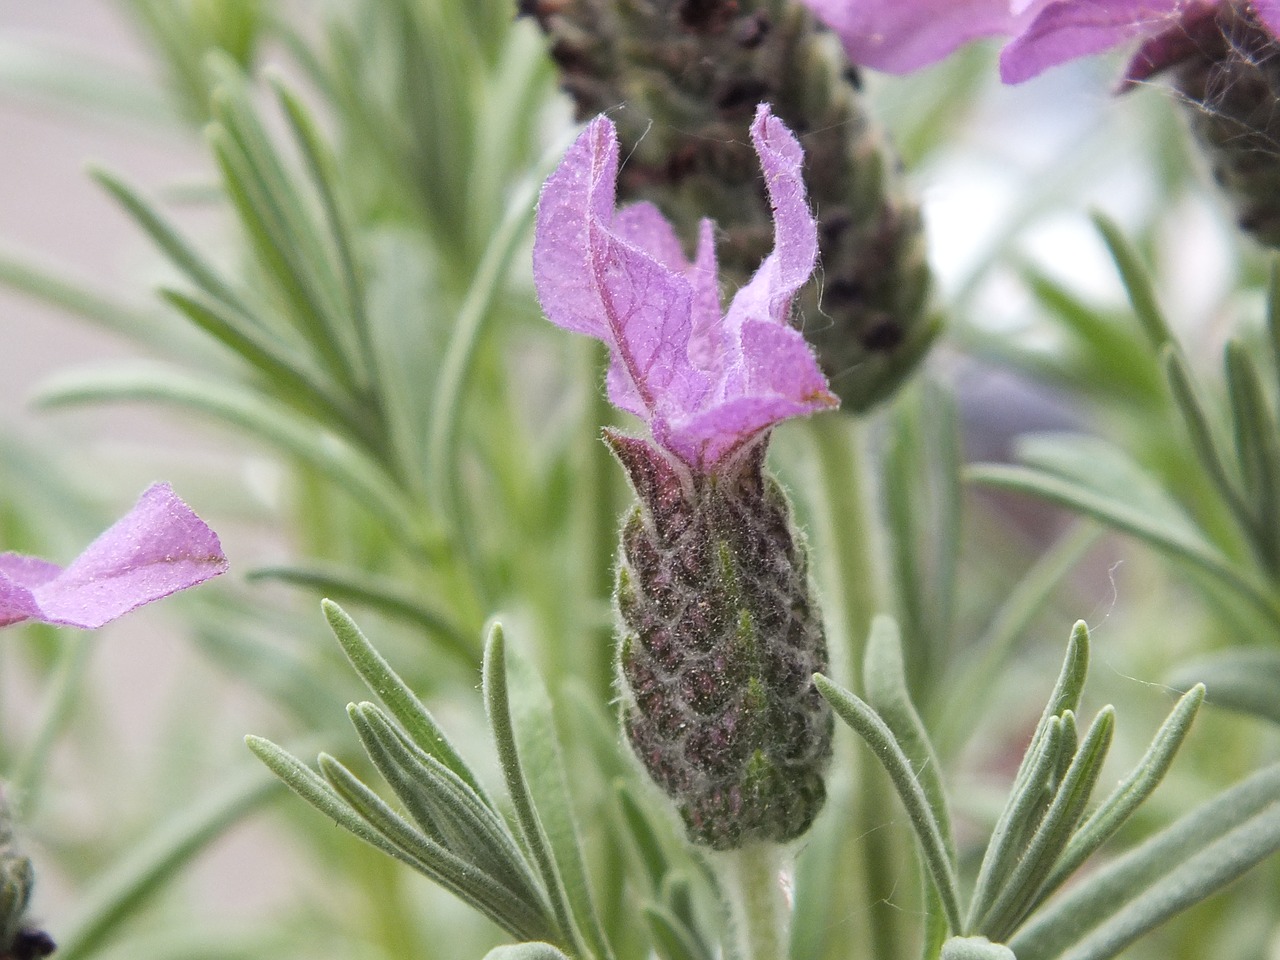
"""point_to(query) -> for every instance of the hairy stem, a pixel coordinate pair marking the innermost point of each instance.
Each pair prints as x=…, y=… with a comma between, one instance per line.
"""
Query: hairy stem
x=759, y=913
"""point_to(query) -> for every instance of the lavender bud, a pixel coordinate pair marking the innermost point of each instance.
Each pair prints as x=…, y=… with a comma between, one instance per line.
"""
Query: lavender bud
x=720, y=639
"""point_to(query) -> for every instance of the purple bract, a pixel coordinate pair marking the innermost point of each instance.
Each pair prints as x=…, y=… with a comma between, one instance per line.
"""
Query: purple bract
x=707, y=383
x=157, y=548
x=903, y=35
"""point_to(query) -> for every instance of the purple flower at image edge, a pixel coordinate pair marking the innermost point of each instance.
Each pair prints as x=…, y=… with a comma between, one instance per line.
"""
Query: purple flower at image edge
x=899, y=36
x=707, y=383
x=157, y=548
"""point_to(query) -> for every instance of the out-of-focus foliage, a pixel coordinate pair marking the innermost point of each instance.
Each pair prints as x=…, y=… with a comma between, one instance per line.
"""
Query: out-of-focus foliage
x=407, y=436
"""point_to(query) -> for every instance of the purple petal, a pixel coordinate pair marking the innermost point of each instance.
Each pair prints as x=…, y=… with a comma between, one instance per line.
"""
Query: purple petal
x=158, y=548
x=617, y=279
x=1268, y=11
x=579, y=193
x=1065, y=29
x=903, y=35
x=706, y=339
x=643, y=226
x=767, y=295
x=648, y=319
x=706, y=384
x=780, y=380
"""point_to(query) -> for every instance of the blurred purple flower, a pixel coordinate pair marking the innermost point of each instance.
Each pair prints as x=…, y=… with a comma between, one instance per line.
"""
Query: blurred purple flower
x=707, y=384
x=903, y=35
x=157, y=548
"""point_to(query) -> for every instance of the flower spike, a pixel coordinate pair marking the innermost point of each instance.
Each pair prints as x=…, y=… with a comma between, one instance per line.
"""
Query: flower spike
x=157, y=548
x=719, y=635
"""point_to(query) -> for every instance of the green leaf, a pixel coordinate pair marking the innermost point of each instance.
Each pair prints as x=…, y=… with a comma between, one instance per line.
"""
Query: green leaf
x=288, y=373
x=498, y=706
x=1203, y=443
x=1178, y=867
x=1257, y=438
x=1022, y=812
x=1021, y=605
x=395, y=694
x=58, y=287
x=975, y=948
x=314, y=789
x=320, y=167
x=504, y=906
x=867, y=724
x=443, y=805
x=1019, y=892
x=1137, y=282
x=143, y=871
x=646, y=840
x=884, y=678
x=525, y=951
x=165, y=236
x=1246, y=680
x=1149, y=523
x=380, y=592
x=535, y=732
x=671, y=938
x=1129, y=794
x=254, y=414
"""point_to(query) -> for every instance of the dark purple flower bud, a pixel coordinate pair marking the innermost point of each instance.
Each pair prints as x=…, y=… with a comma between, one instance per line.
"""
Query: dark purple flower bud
x=720, y=640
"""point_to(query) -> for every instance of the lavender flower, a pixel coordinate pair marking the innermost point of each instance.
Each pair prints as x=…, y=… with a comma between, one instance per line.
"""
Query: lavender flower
x=903, y=35
x=157, y=548
x=707, y=384
x=720, y=635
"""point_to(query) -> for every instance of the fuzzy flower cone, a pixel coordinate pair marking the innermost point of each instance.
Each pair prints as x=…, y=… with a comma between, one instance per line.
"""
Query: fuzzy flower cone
x=688, y=74
x=158, y=548
x=720, y=635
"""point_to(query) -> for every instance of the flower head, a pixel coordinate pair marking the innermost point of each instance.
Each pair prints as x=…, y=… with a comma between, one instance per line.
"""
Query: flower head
x=903, y=35
x=707, y=383
x=157, y=548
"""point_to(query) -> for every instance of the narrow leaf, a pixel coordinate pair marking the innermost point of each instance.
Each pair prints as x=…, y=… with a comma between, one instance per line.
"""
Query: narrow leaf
x=171, y=243
x=671, y=939
x=1178, y=543
x=1129, y=794
x=1053, y=832
x=535, y=731
x=439, y=800
x=499, y=903
x=498, y=707
x=1244, y=680
x=252, y=413
x=1181, y=865
x=525, y=951
x=1203, y=443
x=1022, y=812
x=867, y=724
x=885, y=681
x=1137, y=281
x=314, y=789
x=395, y=694
x=380, y=592
x=1258, y=449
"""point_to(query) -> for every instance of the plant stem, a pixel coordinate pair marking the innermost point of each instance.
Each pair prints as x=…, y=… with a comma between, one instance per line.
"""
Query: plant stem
x=861, y=590
x=759, y=914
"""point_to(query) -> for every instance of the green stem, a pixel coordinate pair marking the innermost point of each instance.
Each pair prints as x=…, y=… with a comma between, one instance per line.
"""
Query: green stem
x=759, y=914
x=854, y=540
x=858, y=590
